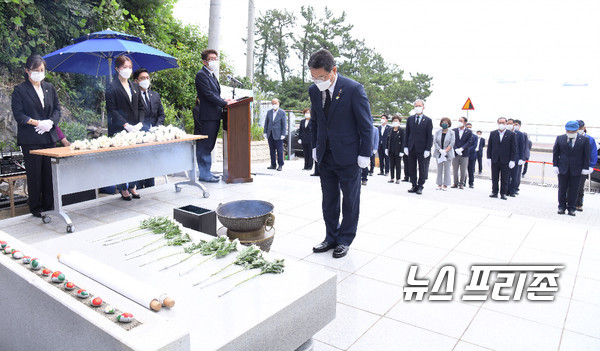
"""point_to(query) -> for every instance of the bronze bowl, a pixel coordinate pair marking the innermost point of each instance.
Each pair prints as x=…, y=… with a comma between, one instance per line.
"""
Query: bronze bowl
x=246, y=215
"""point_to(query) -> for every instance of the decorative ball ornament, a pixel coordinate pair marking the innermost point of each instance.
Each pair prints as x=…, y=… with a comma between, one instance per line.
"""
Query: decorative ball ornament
x=35, y=264
x=17, y=255
x=57, y=277
x=110, y=309
x=69, y=285
x=82, y=293
x=125, y=317
x=46, y=272
x=3, y=244
x=96, y=302
x=8, y=250
x=26, y=259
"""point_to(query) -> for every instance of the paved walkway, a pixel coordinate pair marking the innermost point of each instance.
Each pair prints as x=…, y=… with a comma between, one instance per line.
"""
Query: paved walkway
x=458, y=227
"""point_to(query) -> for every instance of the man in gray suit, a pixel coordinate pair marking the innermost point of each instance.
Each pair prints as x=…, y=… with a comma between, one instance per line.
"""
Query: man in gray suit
x=275, y=131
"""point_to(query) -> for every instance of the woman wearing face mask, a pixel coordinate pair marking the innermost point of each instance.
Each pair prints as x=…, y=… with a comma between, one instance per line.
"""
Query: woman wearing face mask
x=36, y=109
x=443, y=143
x=125, y=110
x=394, y=149
x=304, y=138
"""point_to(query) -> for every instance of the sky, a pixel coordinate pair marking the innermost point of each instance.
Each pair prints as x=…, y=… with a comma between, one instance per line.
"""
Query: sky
x=511, y=57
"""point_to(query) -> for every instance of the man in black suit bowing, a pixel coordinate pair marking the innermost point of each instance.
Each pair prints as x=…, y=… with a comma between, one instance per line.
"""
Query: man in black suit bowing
x=419, y=139
x=342, y=144
x=570, y=159
x=208, y=91
x=501, y=150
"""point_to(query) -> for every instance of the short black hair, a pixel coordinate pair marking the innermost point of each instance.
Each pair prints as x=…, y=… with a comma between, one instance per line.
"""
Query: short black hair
x=499, y=118
x=207, y=52
x=139, y=71
x=518, y=121
x=478, y=132
x=322, y=58
x=510, y=119
x=465, y=118
x=33, y=62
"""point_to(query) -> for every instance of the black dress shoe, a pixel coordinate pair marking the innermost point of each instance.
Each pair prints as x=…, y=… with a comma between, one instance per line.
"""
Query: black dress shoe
x=405, y=180
x=315, y=174
x=571, y=213
x=324, y=247
x=279, y=168
x=136, y=196
x=271, y=167
x=511, y=195
x=503, y=197
x=579, y=208
x=494, y=195
x=126, y=198
x=412, y=190
x=340, y=251
x=36, y=214
x=419, y=191
x=561, y=211
x=380, y=173
x=471, y=186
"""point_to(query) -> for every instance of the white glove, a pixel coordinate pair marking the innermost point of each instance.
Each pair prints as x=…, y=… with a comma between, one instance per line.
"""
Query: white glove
x=282, y=137
x=489, y=162
x=299, y=141
x=265, y=136
x=129, y=128
x=138, y=126
x=556, y=171
x=585, y=172
x=443, y=153
x=406, y=151
x=521, y=162
x=511, y=164
x=44, y=126
x=401, y=154
x=314, y=153
x=363, y=161
x=459, y=151
x=591, y=170
x=426, y=154
x=386, y=152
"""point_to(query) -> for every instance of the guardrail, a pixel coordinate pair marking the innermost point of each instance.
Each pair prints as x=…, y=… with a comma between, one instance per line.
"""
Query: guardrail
x=544, y=163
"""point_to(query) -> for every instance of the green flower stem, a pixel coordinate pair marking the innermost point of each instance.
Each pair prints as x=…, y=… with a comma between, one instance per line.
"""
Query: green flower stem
x=161, y=258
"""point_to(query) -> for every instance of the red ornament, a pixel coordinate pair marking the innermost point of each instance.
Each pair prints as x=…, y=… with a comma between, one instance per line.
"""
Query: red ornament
x=46, y=272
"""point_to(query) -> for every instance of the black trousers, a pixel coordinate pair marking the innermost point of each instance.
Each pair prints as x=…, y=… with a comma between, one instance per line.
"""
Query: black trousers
x=395, y=165
x=417, y=159
x=471, y=170
x=500, y=172
x=276, y=146
x=39, y=179
x=307, y=151
x=568, y=189
x=480, y=161
x=581, y=190
x=384, y=160
x=372, y=163
x=405, y=160
x=525, y=167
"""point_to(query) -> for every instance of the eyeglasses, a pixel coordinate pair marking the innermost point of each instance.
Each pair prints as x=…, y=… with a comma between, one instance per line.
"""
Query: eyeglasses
x=212, y=59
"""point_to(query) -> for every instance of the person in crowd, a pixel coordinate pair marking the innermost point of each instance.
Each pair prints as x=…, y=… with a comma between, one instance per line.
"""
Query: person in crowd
x=527, y=154
x=210, y=113
x=593, y=160
x=514, y=177
x=61, y=137
x=342, y=144
x=36, y=109
x=462, y=143
x=443, y=143
x=501, y=151
x=304, y=139
x=395, y=149
x=570, y=160
x=125, y=111
x=472, y=157
x=365, y=171
x=479, y=149
x=419, y=140
x=275, y=131
x=154, y=113
x=384, y=133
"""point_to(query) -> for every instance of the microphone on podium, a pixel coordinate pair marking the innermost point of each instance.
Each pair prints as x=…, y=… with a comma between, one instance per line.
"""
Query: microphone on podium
x=230, y=77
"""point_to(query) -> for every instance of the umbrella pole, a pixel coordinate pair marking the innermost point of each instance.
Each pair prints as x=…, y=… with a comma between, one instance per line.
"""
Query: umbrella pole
x=109, y=81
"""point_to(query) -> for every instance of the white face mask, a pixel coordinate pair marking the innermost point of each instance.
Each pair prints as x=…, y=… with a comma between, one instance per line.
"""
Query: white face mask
x=383, y=121
x=418, y=110
x=322, y=84
x=395, y=124
x=580, y=132
x=501, y=127
x=145, y=83
x=571, y=135
x=275, y=107
x=125, y=73
x=37, y=76
x=509, y=127
x=460, y=124
x=213, y=65
x=516, y=128
x=307, y=115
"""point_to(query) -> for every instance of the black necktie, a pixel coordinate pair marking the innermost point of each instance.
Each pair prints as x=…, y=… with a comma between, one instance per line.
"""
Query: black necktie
x=327, y=103
x=418, y=120
x=571, y=143
x=146, y=100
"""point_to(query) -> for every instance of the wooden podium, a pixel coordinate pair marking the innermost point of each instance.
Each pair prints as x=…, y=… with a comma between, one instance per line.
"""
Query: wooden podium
x=236, y=141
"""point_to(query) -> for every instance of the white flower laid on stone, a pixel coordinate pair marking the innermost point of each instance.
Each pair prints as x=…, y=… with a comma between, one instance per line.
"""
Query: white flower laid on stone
x=124, y=138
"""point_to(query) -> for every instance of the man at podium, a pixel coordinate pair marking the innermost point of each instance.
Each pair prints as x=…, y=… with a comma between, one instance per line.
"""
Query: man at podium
x=210, y=111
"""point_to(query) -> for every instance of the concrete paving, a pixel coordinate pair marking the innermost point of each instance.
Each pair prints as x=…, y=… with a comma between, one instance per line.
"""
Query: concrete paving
x=397, y=229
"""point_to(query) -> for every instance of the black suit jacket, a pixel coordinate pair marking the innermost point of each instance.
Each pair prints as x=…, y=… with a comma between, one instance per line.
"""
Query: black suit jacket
x=481, y=146
x=419, y=137
x=383, y=139
x=502, y=152
x=208, y=91
x=572, y=160
x=305, y=133
x=120, y=109
x=155, y=113
x=26, y=105
x=399, y=146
